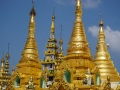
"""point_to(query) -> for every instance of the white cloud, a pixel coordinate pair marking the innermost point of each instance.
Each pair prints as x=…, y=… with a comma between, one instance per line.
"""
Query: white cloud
x=91, y=3
x=112, y=37
x=94, y=30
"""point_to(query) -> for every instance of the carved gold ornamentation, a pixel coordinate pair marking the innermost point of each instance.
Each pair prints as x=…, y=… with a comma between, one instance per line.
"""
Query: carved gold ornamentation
x=75, y=71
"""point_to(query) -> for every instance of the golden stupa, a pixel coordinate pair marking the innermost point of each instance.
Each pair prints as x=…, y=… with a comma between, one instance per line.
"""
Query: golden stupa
x=75, y=71
x=102, y=58
x=29, y=64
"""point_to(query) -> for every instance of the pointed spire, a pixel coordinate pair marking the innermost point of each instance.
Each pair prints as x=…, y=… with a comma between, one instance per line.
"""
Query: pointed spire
x=101, y=22
x=78, y=48
x=52, y=46
x=78, y=11
x=13, y=69
x=78, y=3
x=30, y=50
x=78, y=43
x=8, y=55
x=51, y=53
x=7, y=64
x=32, y=12
x=7, y=73
x=2, y=63
x=53, y=23
x=101, y=46
x=61, y=53
x=61, y=41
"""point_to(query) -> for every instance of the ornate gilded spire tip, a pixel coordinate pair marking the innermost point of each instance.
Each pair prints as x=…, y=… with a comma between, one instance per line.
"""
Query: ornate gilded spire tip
x=78, y=2
x=13, y=69
x=101, y=22
x=32, y=2
x=7, y=55
x=32, y=12
x=53, y=16
x=61, y=41
x=2, y=57
x=61, y=30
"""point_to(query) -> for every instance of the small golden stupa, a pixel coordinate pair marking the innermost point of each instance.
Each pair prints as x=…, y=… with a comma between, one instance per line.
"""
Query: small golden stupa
x=102, y=58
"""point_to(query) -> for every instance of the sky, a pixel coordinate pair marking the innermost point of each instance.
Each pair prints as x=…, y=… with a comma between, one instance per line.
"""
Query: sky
x=14, y=22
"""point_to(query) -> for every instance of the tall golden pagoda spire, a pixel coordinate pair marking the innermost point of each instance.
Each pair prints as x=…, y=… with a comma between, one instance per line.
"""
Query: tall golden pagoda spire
x=50, y=54
x=102, y=57
x=78, y=43
x=30, y=65
x=30, y=50
x=78, y=52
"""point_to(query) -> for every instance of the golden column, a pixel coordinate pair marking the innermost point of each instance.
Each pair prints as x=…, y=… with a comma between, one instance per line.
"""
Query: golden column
x=78, y=52
x=102, y=58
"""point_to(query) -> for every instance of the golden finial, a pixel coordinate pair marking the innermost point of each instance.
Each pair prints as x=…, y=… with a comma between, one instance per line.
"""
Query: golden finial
x=32, y=2
x=101, y=22
x=78, y=3
x=61, y=41
x=3, y=57
x=13, y=69
x=53, y=16
x=53, y=10
x=78, y=11
x=32, y=12
x=53, y=23
x=100, y=14
x=8, y=55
